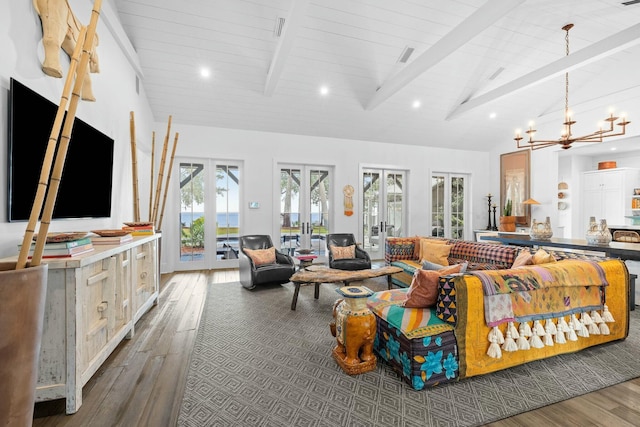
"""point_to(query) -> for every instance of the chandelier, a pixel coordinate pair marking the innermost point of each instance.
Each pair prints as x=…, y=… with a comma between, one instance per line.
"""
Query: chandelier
x=567, y=138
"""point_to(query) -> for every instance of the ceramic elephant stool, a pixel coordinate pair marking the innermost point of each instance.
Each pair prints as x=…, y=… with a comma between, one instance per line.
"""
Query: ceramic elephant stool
x=61, y=29
x=354, y=327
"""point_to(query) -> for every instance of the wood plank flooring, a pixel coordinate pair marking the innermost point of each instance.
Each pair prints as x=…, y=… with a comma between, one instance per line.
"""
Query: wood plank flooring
x=142, y=382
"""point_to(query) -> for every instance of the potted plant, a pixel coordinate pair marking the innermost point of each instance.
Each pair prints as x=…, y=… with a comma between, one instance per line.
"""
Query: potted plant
x=507, y=221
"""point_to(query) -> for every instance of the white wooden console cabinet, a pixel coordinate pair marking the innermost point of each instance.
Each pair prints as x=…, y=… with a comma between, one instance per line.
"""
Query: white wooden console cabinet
x=93, y=302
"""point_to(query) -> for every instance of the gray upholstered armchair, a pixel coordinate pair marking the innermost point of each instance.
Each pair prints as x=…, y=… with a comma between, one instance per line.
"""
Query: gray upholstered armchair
x=360, y=259
x=256, y=268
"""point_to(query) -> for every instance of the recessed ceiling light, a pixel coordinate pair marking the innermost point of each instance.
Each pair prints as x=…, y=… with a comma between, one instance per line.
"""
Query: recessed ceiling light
x=416, y=103
x=492, y=115
x=205, y=72
x=613, y=148
x=324, y=90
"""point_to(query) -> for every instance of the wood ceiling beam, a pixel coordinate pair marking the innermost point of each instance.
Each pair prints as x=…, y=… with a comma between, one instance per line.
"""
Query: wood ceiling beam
x=479, y=21
x=287, y=38
x=595, y=52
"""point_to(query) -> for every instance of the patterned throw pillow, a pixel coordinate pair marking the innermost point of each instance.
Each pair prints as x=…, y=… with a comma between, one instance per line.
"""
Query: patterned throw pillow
x=262, y=256
x=434, y=252
x=343, y=252
x=423, y=291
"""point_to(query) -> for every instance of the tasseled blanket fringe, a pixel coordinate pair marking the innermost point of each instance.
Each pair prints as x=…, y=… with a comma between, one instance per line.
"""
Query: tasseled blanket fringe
x=548, y=332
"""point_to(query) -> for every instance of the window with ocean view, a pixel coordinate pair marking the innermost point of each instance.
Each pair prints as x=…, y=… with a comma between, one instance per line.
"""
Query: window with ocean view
x=304, y=208
x=192, y=188
x=198, y=236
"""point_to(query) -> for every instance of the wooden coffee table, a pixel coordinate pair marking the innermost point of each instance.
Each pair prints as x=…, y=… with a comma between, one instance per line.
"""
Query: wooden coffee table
x=318, y=275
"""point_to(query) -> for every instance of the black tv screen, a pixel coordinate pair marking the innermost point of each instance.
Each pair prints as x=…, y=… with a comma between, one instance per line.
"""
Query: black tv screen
x=86, y=183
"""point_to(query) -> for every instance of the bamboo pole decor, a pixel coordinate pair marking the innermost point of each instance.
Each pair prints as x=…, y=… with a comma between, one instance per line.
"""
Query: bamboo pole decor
x=61, y=154
x=166, y=187
x=134, y=168
x=45, y=172
x=156, y=203
x=153, y=152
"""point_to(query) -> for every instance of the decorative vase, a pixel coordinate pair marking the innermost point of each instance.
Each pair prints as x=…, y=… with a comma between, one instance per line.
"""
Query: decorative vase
x=22, y=303
x=354, y=327
x=598, y=234
x=507, y=223
x=541, y=230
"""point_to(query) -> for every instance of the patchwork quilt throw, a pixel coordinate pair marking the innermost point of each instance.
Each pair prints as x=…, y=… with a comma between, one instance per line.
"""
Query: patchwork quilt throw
x=547, y=295
x=541, y=292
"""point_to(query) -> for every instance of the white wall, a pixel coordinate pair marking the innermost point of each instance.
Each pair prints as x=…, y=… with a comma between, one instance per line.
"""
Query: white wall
x=22, y=52
x=261, y=152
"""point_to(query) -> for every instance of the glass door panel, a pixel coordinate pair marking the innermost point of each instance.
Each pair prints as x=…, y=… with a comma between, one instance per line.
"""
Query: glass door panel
x=448, y=207
x=383, y=208
x=227, y=211
x=192, y=233
x=200, y=194
x=319, y=211
x=304, y=209
x=395, y=204
x=290, y=224
x=437, y=205
x=457, y=208
x=370, y=208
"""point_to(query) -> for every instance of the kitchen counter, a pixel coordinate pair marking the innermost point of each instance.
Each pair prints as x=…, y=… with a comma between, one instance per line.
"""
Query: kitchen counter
x=626, y=251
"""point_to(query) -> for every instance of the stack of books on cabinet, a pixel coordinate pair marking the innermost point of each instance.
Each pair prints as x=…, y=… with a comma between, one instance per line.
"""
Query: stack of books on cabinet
x=63, y=249
x=139, y=228
x=111, y=237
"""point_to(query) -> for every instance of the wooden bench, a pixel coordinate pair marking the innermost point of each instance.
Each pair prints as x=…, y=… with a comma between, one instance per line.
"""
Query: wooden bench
x=318, y=275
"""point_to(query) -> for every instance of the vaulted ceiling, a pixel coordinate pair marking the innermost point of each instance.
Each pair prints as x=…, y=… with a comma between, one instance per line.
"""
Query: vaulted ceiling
x=470, y=59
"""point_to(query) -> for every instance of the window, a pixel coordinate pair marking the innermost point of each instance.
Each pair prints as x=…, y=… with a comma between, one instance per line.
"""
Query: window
x=448, y=207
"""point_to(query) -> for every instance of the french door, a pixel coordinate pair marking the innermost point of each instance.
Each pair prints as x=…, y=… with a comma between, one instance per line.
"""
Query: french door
x=209, y=214
x=305, y=201
x=383, y=208
x=449, y=211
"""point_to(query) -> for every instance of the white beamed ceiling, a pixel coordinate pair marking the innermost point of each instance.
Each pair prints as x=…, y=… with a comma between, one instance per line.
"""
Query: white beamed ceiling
x=352, y=46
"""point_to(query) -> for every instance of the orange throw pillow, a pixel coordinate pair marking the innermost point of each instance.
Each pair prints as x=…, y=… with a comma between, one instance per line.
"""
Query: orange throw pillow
x=434, y=252
x=423, y=291
x=262, y=256
x=343, y=252
x=417, y=249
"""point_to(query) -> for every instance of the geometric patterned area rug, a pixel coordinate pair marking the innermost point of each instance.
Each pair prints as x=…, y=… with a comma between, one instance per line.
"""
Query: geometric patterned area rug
x=256, y=362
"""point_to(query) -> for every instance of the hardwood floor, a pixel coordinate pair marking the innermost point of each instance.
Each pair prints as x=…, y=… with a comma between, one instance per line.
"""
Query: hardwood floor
x=142, y=382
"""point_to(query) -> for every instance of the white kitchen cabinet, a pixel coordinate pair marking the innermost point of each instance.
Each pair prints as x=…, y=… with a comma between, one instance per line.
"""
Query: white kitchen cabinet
x=606, y=195
x=93, y=301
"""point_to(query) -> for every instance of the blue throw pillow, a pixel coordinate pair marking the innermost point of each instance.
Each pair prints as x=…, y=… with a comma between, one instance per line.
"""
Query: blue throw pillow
x=428, y=265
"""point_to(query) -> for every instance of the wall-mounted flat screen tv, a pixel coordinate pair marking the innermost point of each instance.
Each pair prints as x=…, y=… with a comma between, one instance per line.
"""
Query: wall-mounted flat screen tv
x=86, y=184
